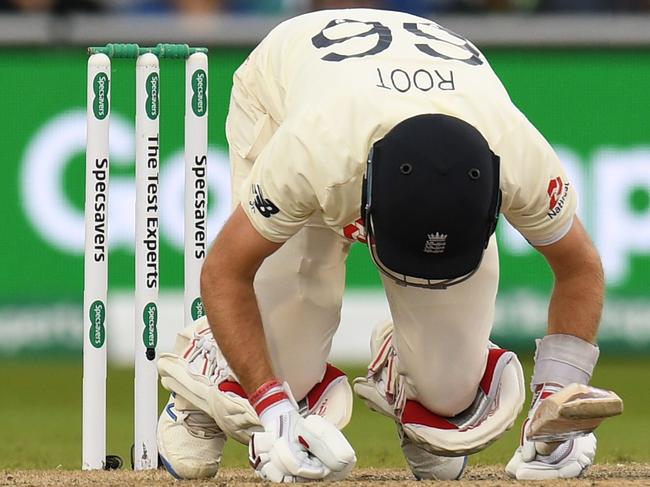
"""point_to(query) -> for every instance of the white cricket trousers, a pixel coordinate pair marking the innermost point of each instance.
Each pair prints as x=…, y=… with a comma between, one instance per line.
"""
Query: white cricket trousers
x=441, y=336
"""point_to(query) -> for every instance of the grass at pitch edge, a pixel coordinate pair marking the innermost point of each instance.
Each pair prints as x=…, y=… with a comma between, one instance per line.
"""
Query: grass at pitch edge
x=41, y=419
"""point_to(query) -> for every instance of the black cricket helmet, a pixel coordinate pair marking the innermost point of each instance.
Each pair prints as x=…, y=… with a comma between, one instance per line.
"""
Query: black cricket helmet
x=431, y=200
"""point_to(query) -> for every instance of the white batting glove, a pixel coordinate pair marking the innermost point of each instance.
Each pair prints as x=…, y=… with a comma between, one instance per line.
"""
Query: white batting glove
x=541, y=461
x=293, y=448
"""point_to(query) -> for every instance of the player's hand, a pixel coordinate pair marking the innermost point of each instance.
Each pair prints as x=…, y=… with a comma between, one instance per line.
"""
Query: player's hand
x=540, y=461
x=295, y=449
x=568, y=460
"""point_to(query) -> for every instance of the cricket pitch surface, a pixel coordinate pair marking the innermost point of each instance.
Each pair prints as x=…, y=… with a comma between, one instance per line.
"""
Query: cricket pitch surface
x=627, y=474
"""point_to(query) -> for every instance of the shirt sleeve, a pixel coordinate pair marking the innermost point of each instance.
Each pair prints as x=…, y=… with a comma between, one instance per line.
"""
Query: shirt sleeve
x=538, y=198
x=277, y=196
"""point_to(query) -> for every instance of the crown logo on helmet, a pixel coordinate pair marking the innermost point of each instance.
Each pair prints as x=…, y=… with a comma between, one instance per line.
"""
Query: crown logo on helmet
x=436, y=243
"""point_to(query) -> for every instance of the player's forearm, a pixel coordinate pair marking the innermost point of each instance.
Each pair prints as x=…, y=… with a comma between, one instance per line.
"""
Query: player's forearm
x=577, y=301
x=234, y=317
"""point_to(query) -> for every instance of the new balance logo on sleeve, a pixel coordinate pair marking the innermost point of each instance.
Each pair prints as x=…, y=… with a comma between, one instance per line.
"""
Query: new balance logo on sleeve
x=263, y=205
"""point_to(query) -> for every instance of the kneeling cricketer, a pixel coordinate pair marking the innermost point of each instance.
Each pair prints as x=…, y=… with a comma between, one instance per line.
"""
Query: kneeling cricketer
x=388, y=129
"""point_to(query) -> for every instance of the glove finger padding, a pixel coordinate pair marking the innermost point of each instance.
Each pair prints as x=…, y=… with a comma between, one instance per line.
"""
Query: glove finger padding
x=274, y=460
x=569, y=460
x=514, y=463
x=298, y=462
x=260, y=460
x=296, y=449
x=326, y=443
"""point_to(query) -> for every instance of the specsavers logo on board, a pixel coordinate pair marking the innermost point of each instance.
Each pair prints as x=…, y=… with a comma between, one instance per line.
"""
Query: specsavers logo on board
x=53, y=216
x=613, y=187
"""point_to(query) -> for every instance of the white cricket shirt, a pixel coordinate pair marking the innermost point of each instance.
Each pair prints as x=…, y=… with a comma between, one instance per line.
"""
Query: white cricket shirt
x=323, y=87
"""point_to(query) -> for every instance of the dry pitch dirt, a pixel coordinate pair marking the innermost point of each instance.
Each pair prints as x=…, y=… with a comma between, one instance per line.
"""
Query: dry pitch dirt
x=624, y=475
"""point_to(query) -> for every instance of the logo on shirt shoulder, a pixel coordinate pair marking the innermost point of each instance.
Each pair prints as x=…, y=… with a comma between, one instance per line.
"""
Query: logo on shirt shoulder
x=264, y=205
x=557, y=192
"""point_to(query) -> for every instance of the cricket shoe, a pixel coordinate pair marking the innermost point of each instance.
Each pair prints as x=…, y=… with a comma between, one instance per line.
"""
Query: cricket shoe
x=427, y=466
x=189, y=441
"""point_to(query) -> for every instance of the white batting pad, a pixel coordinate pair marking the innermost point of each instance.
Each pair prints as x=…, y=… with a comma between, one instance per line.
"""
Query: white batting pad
x=498, y=402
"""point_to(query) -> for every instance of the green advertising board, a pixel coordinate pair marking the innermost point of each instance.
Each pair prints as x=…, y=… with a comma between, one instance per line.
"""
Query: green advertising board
x=592, y=105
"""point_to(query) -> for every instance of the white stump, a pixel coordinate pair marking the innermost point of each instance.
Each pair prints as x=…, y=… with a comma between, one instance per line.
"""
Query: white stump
x=147, y=128
x=196, y=186
x=96, y=263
